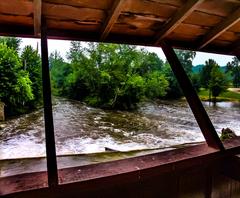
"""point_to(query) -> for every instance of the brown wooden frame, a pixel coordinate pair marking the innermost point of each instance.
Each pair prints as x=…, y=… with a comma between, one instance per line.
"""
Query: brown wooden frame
x=48, y=115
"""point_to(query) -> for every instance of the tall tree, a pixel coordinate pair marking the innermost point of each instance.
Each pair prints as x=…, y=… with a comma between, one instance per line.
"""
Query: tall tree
x=59, y=69
x=11, y=42
x=31, y=62
x=233, y=68
x=213, y=79
x=218, y=82
x=205, y=74
x=15, y=85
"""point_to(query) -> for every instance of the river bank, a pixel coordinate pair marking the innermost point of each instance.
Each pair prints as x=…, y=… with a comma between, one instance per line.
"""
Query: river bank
x=231, y=95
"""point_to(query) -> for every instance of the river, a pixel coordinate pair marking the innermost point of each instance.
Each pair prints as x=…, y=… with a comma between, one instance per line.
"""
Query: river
x=80, y=129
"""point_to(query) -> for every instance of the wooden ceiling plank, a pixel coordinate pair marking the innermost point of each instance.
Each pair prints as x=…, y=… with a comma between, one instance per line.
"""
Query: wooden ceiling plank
x=177, y=19
x=217, y=30
x=37, y=13
x=112, y=18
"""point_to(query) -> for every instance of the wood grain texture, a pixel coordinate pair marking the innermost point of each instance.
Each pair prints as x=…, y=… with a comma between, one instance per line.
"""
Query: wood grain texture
x=37, y=14
x=102, y=5
x=137, y=22
x=220, y=28
x=72, y=13
x=176, y=173
x=112, y=18
x=177, y=19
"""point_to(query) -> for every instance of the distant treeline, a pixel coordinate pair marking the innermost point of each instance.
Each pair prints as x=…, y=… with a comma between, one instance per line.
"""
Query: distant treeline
x=119, y=76
x=103, y=75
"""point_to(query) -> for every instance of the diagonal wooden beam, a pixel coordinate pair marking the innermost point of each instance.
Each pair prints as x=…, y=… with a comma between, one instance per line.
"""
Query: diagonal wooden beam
x=37, y=13
x=192, y=98
x=223, y=26
x=177, y=19
x=112, y=18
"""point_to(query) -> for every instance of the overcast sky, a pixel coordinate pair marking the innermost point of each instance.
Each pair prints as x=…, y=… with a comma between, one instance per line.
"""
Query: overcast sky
x=63, y=47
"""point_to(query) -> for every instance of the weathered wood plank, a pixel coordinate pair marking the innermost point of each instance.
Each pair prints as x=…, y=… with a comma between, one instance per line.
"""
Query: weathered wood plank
x=151, y=8
x=219, y=8
x=16, y=19
x=67, y=12
x=16, y=7
x=219, y=29
x=112, y=18
x=177, y=19
x=102, y=5
x=128, y=30
x=203, y=19
x=73, y=25
x=37, y=14
x=191, y=30
x=228, y=36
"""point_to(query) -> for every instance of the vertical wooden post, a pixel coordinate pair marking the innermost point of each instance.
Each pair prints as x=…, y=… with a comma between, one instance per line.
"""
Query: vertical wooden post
x=48, y=116
x=193, y=100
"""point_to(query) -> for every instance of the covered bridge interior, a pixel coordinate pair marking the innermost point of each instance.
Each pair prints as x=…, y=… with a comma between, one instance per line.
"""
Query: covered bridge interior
x=206, y=170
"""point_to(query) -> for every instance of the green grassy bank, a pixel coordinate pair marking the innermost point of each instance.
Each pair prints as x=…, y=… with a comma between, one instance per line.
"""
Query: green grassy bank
x=225, y=96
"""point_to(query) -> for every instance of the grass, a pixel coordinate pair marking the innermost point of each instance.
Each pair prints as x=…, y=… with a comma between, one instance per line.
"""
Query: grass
x=225, y=96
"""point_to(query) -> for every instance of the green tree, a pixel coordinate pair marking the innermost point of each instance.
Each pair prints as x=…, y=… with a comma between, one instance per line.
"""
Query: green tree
x=218, y=82
x=15, y=85
x=195, y=79
x=233, y=68
x=156, y=85
x=59, y=69
x=31, y=62
x=11, y=42
x=213, y=79
x=205, y=74
x=111, y=75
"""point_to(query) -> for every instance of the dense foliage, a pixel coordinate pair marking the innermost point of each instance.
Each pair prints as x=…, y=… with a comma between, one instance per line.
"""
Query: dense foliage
x=108, y=75
x=20, y=84
x=213, y=79
x=233, y=68
x=104, y=75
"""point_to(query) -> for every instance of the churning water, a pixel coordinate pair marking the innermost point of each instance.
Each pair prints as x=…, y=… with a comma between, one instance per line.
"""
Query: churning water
x=82, y=129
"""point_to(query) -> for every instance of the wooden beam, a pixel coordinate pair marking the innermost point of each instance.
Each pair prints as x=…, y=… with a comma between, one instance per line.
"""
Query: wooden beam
x=230, y=167
x=37, y=13
x=112, y=18
x=218, y=30
x=177, y=19
x=48, y=117
x=193, y=100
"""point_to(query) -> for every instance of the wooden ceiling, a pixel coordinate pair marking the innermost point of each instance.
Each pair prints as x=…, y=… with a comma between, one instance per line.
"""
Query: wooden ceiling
x=202, y=25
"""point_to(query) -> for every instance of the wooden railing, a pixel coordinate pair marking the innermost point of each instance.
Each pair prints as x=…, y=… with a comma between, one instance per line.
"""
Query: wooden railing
x=195, y=171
